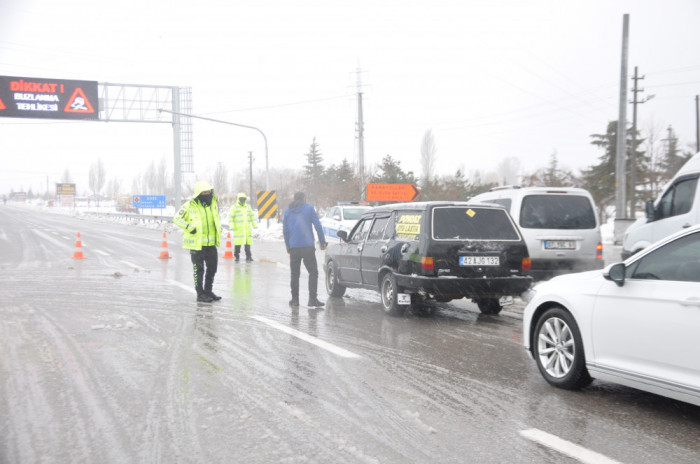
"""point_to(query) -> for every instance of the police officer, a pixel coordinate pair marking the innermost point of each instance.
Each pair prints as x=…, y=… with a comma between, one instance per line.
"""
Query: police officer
x=241, y=221
x=201, y=224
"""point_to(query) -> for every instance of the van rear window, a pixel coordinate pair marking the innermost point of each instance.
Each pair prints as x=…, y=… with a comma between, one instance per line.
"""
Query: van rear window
x=557, y=212
x=472, y=223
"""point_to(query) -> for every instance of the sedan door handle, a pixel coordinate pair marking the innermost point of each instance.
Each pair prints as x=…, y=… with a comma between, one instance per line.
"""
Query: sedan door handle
x=686, y=225
x=691, y=302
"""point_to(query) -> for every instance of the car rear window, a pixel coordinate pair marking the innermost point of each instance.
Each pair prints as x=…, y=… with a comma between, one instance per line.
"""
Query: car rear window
x=557, y=211
x=472, y=223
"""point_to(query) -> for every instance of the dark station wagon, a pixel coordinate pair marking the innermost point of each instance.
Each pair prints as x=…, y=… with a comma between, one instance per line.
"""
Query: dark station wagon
x=413, y=253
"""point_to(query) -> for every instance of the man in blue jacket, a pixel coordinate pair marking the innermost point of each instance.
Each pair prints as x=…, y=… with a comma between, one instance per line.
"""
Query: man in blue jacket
x=300, y=219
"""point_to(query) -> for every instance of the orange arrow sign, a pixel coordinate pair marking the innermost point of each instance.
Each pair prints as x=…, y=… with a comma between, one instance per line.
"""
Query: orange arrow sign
x=392, y=192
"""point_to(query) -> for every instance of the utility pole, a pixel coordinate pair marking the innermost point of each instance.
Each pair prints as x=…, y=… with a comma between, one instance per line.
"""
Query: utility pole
x=361, y=138
x=620, y=165
x=697, y=124
x=633, y=152
x=621, y=221
x=250, y=179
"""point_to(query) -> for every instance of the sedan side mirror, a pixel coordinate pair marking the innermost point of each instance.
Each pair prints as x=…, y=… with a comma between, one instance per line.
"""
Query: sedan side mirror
x=616, y=273
x=343, y=235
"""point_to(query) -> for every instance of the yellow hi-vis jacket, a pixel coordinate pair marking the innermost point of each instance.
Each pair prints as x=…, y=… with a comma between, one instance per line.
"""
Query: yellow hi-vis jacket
x=193, y=215
x=241, y=220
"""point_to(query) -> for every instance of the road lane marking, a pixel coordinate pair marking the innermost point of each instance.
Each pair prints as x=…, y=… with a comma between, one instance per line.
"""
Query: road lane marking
x=135, y=266
x=566, y=447
x=181, y=285
x=103, y=253
x=308, y=338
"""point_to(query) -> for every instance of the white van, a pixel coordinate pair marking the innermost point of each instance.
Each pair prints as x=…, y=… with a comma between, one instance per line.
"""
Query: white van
x=559, y=224
x=676, y=208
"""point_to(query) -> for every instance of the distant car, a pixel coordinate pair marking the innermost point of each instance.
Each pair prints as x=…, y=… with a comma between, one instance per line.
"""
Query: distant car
x=634, y=323
x=412, y=253
x=344, y=216
x=559, y=224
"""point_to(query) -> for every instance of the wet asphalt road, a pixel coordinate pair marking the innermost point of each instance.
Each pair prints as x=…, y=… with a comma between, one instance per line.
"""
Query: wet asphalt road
x=110, y=359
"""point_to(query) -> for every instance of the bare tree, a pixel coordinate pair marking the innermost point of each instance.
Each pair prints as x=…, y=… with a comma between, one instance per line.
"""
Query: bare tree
x=97, y=178
x=654, y=150
x=509, y=171
x=66, y=178
x=220, y=180
x=428, y=157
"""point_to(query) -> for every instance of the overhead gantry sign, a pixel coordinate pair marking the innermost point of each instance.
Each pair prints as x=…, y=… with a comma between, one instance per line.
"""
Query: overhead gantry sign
x=35, y=97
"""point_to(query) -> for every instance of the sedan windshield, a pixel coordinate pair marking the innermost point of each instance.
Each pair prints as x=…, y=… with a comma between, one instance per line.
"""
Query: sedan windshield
x=353, y=213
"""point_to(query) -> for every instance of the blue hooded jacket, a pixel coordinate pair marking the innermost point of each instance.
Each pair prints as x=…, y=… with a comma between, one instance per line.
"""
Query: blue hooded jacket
x=297, y=226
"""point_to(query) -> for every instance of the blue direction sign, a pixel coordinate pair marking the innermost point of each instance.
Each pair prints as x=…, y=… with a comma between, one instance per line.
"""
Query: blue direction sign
x=149, y=201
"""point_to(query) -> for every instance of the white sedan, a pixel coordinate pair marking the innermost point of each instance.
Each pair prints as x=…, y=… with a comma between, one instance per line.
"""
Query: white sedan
x=635, y=323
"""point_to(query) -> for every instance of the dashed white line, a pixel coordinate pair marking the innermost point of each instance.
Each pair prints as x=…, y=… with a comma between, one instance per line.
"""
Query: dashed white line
x=189, y=288
x=566, y=447
x=103, y=253
x=308, y=338
x=135, y=266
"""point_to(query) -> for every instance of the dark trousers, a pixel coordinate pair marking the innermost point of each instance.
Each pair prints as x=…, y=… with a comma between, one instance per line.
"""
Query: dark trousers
x=237, y=251
x=204, y=263
x=308, y=255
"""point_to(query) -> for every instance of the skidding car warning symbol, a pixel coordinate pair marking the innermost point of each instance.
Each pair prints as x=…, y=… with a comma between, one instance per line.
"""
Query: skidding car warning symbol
x=2, y=105
x=78, y=103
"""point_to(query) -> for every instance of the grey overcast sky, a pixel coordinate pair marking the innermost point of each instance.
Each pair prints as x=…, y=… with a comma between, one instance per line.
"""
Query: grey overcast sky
x=493, y=79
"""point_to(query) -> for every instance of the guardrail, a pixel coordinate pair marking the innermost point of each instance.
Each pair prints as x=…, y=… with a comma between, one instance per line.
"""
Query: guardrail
x=145, y=218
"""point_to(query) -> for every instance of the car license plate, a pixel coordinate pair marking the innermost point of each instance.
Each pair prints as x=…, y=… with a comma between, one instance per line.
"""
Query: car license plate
x=559, y=245
x=403, y=298
x=479, y=261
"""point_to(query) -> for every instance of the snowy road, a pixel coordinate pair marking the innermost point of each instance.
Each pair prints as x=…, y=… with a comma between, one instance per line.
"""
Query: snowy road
x=110, y=359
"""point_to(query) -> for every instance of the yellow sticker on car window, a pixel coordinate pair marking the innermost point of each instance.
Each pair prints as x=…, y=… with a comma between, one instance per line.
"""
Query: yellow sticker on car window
x=408, y=226
x=471, y=212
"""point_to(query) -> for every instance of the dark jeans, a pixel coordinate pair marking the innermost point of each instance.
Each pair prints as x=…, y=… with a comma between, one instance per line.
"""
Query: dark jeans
x=308, y=255
x=208, y=256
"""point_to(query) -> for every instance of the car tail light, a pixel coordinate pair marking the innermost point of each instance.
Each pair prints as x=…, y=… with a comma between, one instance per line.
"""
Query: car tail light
x=599, y=251
x=427, y=263
x=526, y=264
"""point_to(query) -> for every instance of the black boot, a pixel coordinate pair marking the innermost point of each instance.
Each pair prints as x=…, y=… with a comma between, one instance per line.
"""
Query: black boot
x=315, y=303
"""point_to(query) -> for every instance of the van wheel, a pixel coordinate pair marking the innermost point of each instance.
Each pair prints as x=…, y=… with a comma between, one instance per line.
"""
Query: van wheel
x=389, y=293
x=333, y=288
x=489, y=305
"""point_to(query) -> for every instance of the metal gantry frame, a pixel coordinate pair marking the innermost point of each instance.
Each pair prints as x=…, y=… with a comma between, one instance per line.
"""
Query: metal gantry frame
x=142, y=103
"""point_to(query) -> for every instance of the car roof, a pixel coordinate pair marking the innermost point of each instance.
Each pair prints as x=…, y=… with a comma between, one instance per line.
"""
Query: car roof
x=423, y=205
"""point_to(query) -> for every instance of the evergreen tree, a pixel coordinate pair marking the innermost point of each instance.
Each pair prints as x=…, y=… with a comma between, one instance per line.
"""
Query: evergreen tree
x=342, y=184
x=391, y=173
x=672, y=159
x=551, y=176
x=600, y=179
x=314, y=172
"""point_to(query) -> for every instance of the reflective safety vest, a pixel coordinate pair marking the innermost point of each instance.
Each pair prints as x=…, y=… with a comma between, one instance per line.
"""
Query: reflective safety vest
x=193, y=215
x=241, y=221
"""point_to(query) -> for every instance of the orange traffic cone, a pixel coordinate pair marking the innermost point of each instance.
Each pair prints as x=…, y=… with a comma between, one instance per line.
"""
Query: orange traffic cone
x=229, y=251
x=164, y=249
x=78, y=253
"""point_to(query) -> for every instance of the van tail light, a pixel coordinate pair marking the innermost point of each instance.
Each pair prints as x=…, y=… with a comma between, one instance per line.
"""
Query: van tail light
x=427, y=263
x=526, y=264
x=599, y=251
